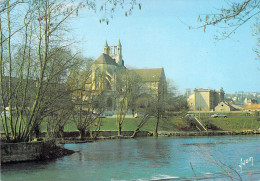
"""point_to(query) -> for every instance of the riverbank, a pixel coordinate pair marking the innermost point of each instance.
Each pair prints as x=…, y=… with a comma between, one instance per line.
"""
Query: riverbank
x=32, y=151
x=77, y=140
x=148, y=159
x=173, y=124
x=46, y=150
x=210, y=133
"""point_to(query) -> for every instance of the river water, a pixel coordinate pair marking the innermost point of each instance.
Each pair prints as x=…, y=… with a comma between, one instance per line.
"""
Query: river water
x=163, y=158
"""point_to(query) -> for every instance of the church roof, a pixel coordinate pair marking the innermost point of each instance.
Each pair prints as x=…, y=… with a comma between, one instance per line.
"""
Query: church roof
x=150, y=75
x=105, y=59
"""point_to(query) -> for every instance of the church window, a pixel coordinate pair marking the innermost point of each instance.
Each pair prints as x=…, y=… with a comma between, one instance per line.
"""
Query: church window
x=107, y=84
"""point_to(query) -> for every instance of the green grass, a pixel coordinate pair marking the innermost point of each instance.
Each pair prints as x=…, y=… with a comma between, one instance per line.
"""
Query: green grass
x=130, y=124
x=173, y=124
x=234, y=123
x=229, y=114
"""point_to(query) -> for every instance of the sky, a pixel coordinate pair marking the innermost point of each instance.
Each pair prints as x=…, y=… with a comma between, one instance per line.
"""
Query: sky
x=158, y=36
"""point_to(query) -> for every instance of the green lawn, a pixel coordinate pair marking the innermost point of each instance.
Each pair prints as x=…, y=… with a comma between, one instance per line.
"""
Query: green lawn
x=129, y=124
x=110, y=124
x=174, y=124
x=234, y=123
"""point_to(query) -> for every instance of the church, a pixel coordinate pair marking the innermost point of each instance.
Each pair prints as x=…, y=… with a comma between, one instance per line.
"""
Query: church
x=110, y=62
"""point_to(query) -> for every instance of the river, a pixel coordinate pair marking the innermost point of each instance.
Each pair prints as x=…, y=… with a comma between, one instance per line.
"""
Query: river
x=163, y=158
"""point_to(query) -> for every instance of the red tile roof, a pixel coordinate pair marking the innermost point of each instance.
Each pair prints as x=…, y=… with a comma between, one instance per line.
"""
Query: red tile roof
x=253, y=106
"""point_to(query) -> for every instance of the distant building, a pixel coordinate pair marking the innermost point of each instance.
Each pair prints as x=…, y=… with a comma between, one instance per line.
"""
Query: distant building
x=154, y=80
x=250, y=101
x=253, y=107
x=225, y=107
x=244, y=98
x=186, y=93
x=109, y=63
x=205, y=99
x=234, y=98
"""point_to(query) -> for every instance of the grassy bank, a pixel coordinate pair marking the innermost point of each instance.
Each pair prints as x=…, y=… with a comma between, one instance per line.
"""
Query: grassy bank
x=233, y=123
x=130, y=124
x=178, y=124
x=175, y=124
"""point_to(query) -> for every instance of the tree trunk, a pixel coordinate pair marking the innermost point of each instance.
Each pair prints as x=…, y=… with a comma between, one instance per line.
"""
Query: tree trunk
x=157, y=124
x=82, y=134
x=61, y=131
x=119, y=129
x=135, y=132
x=91, y=134
x=37, y=130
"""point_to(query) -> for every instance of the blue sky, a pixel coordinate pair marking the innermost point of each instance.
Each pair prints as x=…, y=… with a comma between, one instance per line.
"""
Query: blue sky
x=157, y=36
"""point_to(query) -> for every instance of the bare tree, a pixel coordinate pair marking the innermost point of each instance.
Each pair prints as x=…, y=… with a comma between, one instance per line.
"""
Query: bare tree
x=60, y=116
x=144, y=106
x=128, y=87
x=26, y=73
x=159, y=102
x=231, y=18
x=38, y=29
x=89, y=102
x=163, y=103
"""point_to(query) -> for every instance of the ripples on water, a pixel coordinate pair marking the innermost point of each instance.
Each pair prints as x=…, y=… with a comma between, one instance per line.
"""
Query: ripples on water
x=175, y=158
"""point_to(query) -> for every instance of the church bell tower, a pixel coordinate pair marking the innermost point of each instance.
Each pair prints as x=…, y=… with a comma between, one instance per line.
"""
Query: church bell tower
x=106, y=48
x=115, y=52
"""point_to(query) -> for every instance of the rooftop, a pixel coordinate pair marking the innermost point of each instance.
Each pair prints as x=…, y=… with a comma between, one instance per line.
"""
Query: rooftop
x=253, y=106
x=150, y=75
x=105, y=59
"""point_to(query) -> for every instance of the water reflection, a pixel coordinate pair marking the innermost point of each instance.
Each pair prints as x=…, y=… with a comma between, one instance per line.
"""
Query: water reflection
x=156, y=151
x=144, y=159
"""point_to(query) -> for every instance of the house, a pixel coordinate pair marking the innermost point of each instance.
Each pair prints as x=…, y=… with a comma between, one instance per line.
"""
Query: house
x=252, y=107
x=224, y=107
x=205, y=99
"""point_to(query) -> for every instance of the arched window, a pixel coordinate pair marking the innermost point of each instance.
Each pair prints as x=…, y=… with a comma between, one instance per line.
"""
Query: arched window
x=107, y=85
